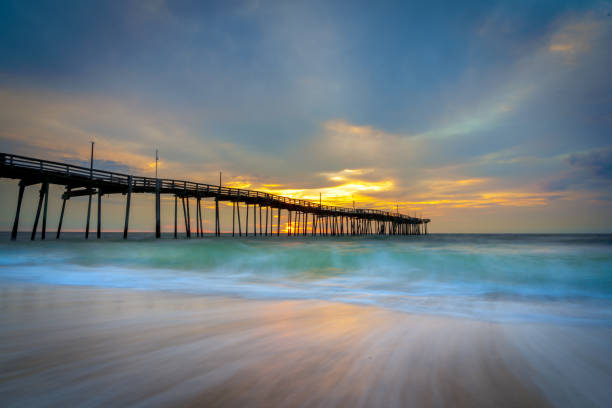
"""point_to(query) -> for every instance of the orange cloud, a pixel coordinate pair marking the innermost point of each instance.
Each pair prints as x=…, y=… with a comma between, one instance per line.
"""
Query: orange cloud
x=575, y=38
x=237, y=184
x=561, y=47
x=351, y=188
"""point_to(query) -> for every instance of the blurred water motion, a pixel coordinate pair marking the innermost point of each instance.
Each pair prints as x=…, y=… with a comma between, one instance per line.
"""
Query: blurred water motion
x=110, y=347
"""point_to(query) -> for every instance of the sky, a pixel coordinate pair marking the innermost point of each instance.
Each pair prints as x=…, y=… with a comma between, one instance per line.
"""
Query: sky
x=484, y=116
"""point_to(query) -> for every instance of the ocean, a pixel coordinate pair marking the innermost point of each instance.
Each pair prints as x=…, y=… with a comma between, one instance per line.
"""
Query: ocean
x=564, y=279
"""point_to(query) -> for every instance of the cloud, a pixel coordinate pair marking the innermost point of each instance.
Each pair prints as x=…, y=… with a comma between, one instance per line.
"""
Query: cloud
x=357, y=139
x=598, y=162
x=60, y=127
x=438, y=194
x=346, y=186
x=108, y=165
x=530, y=85
x=591, y=170
x=576, y=38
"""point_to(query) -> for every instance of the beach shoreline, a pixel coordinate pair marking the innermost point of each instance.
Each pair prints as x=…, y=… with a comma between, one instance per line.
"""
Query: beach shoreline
x=93, y=346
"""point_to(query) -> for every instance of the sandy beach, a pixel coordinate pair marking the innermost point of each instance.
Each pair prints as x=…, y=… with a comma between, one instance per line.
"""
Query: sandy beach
x=82, y=346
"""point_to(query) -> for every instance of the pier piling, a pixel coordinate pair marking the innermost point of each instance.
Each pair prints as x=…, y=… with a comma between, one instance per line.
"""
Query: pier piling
x=127, y=208
x=22, y=187
x=217, y=226
x=43, y=232
x=175, y=214
x=157, y=210
x=41, y=195
x=61, y=218
x=99, y=229
x=188, y=217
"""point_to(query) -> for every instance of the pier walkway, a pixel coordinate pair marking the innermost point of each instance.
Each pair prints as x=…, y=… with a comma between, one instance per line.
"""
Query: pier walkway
x=303, y=218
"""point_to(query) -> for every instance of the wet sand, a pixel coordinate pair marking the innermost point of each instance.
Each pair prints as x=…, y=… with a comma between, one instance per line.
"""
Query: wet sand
x=70, y=346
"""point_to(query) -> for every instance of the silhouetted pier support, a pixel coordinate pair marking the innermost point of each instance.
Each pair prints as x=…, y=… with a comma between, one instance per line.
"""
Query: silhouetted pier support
x=43, y=193
x=238, y=213
x=45, y=206
x=128, y=201
x=254, y=220
x=184, y=215
x=200, y=217
x=217, y=222
x=61, y=219
x=246, y=221
x=88, y=217
x=22, y=186
x=198, y=225
x=175, y=214
x=157, y=210
x=188, y=218
x=99, y=229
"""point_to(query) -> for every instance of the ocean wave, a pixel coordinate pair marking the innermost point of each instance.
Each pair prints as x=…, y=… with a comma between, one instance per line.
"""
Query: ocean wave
x=493, y=277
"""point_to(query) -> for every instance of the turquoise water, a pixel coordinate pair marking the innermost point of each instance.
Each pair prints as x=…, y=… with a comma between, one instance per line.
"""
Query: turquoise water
x=551, y=278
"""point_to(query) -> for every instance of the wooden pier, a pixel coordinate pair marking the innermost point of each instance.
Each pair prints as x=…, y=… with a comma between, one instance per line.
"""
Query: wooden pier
x=305, y=218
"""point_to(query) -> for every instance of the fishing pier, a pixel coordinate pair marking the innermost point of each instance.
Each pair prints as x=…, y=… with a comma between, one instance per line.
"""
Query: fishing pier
x=304, y=218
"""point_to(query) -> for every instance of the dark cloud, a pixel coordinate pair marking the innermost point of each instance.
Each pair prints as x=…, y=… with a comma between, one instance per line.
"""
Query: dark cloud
x=597, y=163
x=560, y=183
x=590, y=170
x=108, y=165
